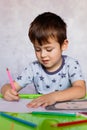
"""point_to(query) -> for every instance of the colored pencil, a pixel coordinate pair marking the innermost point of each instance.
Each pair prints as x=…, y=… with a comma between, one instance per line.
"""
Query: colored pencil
x=10, y=78
x=70, y=123
x=1, y=96
x=18, y=119
x=84, y=114
x=30, y=96
x=53, y=113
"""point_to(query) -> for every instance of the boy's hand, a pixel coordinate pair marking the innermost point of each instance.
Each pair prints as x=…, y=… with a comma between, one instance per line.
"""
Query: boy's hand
x=11, y=95
x=43, y=101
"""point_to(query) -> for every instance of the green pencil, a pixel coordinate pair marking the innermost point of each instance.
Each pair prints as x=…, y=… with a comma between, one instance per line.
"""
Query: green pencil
x=53, y=113
x=1, y=96
x=30, y=96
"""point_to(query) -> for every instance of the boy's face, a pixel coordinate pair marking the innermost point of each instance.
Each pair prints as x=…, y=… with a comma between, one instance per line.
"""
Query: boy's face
x=50, y=54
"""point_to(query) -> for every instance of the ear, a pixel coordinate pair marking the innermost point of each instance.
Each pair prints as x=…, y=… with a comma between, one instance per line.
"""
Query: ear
x=64, y=45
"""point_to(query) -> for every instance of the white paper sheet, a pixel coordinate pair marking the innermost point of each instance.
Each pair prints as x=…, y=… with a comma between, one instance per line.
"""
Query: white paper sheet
x=17, y=106
x=20, y=107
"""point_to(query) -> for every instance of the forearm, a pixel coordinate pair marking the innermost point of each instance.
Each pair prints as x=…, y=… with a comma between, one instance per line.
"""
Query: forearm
x=78, y=90
x=71, y=93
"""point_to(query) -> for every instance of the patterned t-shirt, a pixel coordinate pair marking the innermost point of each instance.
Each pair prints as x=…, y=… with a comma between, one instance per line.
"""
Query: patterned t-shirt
x=46, y=82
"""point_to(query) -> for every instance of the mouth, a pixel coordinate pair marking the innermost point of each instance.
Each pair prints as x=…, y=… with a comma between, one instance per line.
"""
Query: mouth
x=45, y=61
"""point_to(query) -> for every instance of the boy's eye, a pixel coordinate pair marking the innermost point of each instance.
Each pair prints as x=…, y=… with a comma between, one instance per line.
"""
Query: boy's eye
x=49, y=49
x=37, y=49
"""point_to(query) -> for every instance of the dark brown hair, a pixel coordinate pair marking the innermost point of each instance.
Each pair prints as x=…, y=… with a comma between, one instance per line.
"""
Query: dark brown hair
x=47, y=25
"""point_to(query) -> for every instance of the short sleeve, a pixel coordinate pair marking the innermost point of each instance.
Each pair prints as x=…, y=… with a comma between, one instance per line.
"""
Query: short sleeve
x=75, y=72
x=25, y=77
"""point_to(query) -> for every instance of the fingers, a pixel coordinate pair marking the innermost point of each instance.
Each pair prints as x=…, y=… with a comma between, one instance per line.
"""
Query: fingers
x=36, y=105
x=38, y=102
x=42, y=101
x=11, y=95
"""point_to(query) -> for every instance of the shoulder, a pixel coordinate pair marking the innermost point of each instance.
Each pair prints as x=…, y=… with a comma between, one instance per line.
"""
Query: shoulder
x=70, y=60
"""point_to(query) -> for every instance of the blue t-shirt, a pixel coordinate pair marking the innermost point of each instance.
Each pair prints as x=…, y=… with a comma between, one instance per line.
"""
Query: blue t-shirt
x=46, y=82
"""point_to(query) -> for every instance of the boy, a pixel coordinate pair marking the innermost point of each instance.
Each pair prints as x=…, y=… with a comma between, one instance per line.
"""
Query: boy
x=56, y=76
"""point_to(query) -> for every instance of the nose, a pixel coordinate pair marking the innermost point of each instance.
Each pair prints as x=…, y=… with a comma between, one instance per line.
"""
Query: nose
x=43, y=53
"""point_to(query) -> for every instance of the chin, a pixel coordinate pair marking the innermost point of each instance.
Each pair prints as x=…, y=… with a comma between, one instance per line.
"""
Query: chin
x=47, y=67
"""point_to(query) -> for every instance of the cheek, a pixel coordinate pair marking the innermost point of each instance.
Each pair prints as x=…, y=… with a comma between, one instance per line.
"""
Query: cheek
x=56, y=53
x=37, y=55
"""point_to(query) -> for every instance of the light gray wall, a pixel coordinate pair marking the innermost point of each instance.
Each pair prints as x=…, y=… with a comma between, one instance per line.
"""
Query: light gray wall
x=16, y=51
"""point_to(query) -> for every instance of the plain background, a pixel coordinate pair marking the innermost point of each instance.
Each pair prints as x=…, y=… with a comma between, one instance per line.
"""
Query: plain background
x=16, y=50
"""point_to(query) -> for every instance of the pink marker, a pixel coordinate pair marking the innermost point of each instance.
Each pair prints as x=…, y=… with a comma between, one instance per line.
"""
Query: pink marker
x=10, y=78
